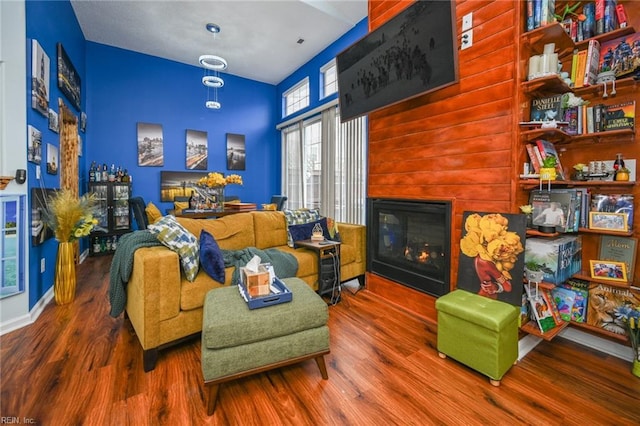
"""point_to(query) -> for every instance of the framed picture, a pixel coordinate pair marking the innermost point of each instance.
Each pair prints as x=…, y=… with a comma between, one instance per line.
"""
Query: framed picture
x=608, y=270
x=39, y=201
x=619, y=249
x=235, y=152
x=53, y=121
x=34, y=150
x=83, y=122
x=39, y=78
x=79, y=146
x=608, y=221
x=494, y=278
x=53, y=159
x=150, y=145
x=68, y=78
x=197, y=153
x=178, y=184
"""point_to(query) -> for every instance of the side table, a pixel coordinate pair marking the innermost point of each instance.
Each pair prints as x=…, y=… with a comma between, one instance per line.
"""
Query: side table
x=328, y=266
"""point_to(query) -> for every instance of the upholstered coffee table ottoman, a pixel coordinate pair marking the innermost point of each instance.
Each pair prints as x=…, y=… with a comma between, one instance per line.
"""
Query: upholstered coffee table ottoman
x=238, y=342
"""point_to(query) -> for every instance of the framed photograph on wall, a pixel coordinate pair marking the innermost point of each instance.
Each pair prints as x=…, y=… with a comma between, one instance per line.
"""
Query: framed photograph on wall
x=197, y=154
x=68, y=78
x=54, y=124
x=235, y=152
x=608, y=270
x=39, y=78
x=34, y=150
x=53, y=159
x=150, y=145
x=608, y=221
x=83, y=122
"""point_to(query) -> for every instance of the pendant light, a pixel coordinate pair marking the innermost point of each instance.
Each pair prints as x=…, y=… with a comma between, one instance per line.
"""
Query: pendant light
x=212, y=65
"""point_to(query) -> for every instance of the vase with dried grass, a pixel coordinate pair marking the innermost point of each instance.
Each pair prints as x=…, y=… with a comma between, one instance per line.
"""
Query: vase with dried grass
x=70, y=217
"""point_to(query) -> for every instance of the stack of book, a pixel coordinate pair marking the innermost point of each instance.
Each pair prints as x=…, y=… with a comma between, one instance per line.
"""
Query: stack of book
x=239, y=207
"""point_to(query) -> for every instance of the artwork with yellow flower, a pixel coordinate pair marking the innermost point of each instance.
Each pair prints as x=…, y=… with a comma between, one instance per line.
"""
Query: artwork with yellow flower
x=492, y=255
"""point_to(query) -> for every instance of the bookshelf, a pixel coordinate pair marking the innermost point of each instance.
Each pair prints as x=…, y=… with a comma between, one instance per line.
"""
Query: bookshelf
x=581, y=148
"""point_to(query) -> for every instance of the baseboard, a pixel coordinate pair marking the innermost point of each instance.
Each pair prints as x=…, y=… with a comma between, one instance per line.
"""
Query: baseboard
x=527, y=344
x=599, y=344
x=29, y=318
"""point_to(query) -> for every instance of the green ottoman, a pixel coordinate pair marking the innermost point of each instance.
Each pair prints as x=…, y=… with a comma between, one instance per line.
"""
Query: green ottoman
x=479, y=332
x=238, y=342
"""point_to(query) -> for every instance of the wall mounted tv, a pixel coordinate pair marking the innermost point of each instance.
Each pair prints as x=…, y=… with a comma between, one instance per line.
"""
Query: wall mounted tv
x=413, y=53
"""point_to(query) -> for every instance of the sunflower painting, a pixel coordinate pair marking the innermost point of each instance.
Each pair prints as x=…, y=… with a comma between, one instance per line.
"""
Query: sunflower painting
x=492, y=255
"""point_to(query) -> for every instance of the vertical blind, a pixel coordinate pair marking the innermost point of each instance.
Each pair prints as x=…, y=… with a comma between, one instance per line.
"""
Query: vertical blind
x=339, y=191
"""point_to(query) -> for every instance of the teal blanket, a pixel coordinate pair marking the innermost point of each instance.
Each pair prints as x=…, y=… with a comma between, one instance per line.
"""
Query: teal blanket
x=122, y=265
x=285, y=265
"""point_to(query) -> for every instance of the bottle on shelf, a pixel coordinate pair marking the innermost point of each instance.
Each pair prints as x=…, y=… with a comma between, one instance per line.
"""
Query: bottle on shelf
x=105, y=173
x=618, y=165
x=193, y=202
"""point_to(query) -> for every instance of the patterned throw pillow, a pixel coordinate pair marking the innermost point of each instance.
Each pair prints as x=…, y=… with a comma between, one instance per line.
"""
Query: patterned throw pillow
x=173, y=235
x=299, y=217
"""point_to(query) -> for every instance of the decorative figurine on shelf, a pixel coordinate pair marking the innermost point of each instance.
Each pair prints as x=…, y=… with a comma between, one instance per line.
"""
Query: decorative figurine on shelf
x=316, y=233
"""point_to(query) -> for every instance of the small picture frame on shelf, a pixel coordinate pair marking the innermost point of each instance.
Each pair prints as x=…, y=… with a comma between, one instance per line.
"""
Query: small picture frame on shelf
x=605, y=221
x=608, y=270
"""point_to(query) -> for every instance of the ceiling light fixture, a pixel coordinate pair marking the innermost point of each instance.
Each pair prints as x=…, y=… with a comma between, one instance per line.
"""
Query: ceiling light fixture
x=212, y=81
x=215, y=64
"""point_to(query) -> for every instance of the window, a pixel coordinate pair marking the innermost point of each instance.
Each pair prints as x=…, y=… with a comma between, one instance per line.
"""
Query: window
x=328, y=79
x=296, y=98
x=325, y=165
x=11, y=245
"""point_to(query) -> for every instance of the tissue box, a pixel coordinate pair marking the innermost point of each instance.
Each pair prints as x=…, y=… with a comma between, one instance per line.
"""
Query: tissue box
x=257, y=283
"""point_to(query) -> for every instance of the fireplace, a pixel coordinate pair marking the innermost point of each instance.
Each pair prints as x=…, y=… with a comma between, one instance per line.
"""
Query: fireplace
x=408, y=242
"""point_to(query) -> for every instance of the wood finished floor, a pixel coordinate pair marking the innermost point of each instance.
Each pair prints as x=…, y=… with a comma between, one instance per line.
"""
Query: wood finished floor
x=78, y=366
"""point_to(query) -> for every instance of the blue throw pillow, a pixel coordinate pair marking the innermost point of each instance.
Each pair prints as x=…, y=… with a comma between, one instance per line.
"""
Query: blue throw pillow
x=211, y=257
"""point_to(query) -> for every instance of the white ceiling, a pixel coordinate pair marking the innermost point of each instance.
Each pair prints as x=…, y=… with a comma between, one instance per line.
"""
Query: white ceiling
x=258, y=38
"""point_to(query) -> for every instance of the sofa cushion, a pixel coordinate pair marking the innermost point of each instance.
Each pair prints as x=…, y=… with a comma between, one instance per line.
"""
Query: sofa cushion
x=271, y=229
x=305, y=230
x=232, y=232
x=173, y=235
x=211, y=257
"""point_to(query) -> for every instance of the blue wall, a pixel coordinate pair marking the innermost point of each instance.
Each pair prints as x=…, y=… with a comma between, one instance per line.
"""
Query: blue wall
x=121, y=88
x=49, y=22
x=312, y=70
x=125, y=88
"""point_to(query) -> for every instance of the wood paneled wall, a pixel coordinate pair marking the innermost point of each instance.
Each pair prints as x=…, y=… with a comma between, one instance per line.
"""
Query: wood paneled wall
x=462, y=143
x=453, y=144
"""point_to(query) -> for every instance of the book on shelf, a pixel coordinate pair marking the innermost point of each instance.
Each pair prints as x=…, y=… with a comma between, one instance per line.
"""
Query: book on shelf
x=546, y=294
x=558, y=258
x=589, y=117
x=592, y=63
x=619, y=54
x=546, y=109
x=581, y=64
x=546, y=149
x=619, y=249
x=614, y=203
x=534, y=157
x=599, y=113
x=620, y=116
x=604, y=301
x=530, y=22
x=599, y=15
x=563, y=299
x=553, y=208
x=580, y=289
x=540, y=308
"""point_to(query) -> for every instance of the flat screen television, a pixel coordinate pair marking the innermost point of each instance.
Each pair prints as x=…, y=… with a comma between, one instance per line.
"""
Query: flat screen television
x=413, y=53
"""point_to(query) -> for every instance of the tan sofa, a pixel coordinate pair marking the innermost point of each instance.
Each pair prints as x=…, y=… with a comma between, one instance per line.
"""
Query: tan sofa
x=164, y=308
